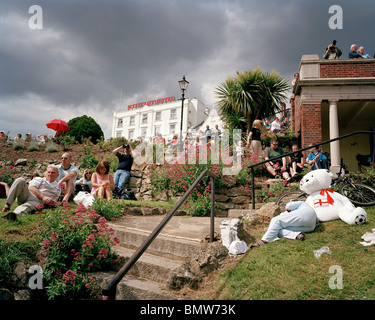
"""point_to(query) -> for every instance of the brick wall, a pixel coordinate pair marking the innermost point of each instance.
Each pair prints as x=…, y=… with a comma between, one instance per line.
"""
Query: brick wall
x=347, y=70
x=311, y=125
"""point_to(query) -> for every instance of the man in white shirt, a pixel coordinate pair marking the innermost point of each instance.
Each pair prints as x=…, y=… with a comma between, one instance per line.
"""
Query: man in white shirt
x=29, y=195
x=67, y=175
x=276, y=126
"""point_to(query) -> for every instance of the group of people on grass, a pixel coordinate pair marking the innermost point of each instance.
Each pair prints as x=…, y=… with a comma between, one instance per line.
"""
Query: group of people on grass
x=279, y=168
x=61, y=181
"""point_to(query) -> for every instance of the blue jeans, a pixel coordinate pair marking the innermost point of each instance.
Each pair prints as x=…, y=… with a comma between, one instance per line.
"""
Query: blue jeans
x=121, y=178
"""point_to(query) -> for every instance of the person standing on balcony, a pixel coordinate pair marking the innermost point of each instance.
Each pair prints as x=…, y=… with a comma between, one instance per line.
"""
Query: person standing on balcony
x=332, y=52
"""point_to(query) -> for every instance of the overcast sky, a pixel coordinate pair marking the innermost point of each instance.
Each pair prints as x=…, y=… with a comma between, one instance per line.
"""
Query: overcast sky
x=88, y=51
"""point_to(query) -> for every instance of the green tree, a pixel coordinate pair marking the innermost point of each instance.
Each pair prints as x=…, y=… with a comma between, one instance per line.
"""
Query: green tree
x=250, y=95
x=84, y=127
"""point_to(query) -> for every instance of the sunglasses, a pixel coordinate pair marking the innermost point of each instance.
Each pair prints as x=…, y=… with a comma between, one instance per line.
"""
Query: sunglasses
x=64, y=158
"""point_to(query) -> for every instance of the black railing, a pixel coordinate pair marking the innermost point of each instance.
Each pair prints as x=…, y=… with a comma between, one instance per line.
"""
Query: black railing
x=289, y=153
x=110, y=290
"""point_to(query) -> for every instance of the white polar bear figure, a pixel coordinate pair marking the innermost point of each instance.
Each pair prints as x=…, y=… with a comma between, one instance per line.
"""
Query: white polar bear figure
x=329, y=205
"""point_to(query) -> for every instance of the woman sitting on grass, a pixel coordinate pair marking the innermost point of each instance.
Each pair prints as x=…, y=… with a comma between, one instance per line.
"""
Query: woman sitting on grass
x=102, y=181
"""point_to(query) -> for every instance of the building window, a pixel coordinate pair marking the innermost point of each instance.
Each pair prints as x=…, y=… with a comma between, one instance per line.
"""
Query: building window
x=144, y=118
x=131, y=134
x=158, y=116
x=172, y=128
x=119, y=123
x=118, y=134
x=173, y=114
x=157, y=130
x=143, y=133
x=132, y=121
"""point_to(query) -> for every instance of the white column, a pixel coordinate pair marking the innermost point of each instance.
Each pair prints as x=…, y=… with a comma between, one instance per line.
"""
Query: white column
x=334, y=133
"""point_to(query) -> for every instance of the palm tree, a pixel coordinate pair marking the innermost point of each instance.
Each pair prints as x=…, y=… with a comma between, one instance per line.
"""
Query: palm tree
x=251, y=95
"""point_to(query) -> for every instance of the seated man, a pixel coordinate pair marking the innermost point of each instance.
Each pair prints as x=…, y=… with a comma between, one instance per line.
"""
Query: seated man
x=67, y=176
x=299, y=217
x=278, y=165
x=39, y=191
x=316, y=159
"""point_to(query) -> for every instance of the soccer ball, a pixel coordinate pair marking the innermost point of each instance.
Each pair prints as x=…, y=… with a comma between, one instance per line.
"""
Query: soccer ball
x=360, y=219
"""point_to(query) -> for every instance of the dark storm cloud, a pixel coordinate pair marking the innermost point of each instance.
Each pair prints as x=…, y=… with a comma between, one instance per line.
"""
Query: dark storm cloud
x=89, y=51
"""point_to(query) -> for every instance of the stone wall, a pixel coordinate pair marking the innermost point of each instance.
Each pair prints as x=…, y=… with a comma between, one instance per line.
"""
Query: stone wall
x=233, y=196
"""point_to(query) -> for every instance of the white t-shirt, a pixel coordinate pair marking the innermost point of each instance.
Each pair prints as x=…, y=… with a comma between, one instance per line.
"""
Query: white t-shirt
x=63, y=172
x=49, y=189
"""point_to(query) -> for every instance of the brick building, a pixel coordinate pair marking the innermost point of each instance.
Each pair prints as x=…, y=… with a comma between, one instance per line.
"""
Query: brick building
x=331, y=99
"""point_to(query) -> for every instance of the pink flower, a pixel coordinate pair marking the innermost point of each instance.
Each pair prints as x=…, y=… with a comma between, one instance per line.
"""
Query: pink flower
x=40, y=206
x=65, y=204
x=69, y=276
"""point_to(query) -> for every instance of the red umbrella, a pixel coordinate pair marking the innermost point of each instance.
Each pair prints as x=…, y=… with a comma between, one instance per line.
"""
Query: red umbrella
x=58, y=125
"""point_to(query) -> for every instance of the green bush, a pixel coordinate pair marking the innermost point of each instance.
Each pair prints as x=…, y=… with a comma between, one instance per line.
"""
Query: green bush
x=10, y=255
x=18, y=145
x=286, y=140
x=51, y=147
x=89, y=161
x=66, y=142
x=270, y=192
x=111, y=209
x=33, y=146
x=74, y=243
x=83, y=127
x=7, y=174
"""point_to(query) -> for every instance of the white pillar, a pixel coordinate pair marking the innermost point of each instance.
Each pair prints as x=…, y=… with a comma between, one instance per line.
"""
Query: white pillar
x=334, y=133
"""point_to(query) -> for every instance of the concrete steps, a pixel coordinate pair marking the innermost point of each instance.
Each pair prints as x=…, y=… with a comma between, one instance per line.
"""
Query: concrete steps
x=167, y=246
x=164, y=266
x=136, y=288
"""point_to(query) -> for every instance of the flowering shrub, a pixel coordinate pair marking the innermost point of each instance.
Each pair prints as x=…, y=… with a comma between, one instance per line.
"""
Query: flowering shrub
x=7, y=174
x=108, y=209
x=73, y=244
x=367, y=176
x=270, y=192
x=179, y=177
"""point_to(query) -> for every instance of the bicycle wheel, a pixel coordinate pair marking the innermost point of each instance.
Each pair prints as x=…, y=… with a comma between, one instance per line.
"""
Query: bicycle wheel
x=296, y=195
x=359, y=194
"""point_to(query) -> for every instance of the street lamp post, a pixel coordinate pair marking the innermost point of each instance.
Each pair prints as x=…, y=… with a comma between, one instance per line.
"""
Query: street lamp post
x=183, y=86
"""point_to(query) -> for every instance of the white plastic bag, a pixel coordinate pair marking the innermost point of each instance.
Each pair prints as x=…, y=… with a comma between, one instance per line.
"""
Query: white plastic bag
x=84, y=198
x=237, y=247
x=319, y=252
x=230, y=239
x=369, y=238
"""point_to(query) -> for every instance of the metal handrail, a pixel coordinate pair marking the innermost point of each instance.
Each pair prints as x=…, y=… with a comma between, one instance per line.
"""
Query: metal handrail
x=110, y=290
x=289, y=153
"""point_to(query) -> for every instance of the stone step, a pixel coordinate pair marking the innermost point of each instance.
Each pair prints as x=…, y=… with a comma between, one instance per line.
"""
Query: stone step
x=135, y=288
x=237, y=213
x=168, y=246
x=152, y=267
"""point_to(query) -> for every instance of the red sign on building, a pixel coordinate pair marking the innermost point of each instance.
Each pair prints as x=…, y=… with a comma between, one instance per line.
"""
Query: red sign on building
x=150, y=103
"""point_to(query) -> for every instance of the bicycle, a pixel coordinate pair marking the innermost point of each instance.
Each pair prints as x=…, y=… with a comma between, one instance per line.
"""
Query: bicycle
x=359, y=194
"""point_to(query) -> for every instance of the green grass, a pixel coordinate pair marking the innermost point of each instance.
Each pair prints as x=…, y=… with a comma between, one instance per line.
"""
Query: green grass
x=288, y=270
x=282, y=270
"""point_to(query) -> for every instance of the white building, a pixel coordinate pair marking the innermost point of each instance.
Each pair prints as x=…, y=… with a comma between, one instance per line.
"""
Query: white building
x=162, y=116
